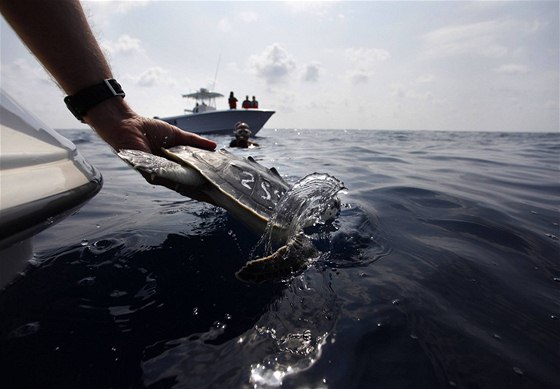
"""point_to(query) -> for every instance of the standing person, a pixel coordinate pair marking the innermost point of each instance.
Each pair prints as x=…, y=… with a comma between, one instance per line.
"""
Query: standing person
x=246, y=103
x=58, y=34
x=232, y=101
x=254, y=103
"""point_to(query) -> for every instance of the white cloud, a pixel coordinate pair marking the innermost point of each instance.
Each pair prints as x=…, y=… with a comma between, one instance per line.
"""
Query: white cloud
x=317, y=8
x=398, y=91
x=153, y=77
x=114, y=7
x=535, y=26
x=359, y=76
x=102, y=13
x=22, y=68
x=425, y=79
x=551, y=105
x=312, y=72
x=366, y=57
x=511, y=68
x=29, y=84
x=364, y=61
x=125, y=44
x=483, y=7
x=224, y=25
x=248, y=16
x=482, y=38
x=274, y=64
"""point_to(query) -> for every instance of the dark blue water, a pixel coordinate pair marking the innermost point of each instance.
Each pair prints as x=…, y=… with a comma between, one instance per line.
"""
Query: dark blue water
x=442, y=270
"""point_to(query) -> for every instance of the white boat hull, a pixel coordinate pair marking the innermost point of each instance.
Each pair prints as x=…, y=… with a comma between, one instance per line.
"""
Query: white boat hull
x=43, y=178
x=220, y=122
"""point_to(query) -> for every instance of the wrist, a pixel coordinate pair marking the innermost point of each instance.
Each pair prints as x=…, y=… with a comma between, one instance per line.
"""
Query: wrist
x=108, y=113
x=108, y=119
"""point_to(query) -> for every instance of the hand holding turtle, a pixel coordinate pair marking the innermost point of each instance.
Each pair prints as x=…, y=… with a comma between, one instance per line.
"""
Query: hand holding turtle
x=122, y=128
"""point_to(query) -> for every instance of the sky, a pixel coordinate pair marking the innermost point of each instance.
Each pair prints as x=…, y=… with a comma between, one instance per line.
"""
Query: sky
x=416, y=65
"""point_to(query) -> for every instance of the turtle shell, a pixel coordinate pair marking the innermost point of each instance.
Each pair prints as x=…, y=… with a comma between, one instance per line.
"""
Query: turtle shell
x=240, y=185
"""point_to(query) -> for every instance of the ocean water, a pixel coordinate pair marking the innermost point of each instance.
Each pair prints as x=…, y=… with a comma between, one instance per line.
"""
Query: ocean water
x=441, y=271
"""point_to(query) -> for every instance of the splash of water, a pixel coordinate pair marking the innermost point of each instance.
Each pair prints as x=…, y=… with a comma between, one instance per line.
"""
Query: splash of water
x=311, y=202
x=303, y=211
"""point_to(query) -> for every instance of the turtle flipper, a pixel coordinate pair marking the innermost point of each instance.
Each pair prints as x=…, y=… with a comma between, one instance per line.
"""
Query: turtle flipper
x=285, y=261
x=154, y=165
x=162, y=171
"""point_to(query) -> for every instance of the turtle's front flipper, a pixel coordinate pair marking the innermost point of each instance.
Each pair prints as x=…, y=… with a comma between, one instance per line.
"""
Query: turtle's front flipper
x=155, y=166
x=161, y=171
x=285, y=261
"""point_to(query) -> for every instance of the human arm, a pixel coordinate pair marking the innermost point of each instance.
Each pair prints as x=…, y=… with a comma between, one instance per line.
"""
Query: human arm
x=58, y=34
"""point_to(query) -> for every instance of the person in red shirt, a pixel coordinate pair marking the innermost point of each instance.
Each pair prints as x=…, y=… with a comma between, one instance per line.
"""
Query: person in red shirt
x=254, y=103
x=246, y=103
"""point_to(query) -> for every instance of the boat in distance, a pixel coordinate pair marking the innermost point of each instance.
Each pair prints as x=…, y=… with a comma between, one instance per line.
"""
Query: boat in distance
x=204, y=118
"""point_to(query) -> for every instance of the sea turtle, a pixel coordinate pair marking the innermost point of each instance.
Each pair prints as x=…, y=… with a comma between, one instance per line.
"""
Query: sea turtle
x=250, y=192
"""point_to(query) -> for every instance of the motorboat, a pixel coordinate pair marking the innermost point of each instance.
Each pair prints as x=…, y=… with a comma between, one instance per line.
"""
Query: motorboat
x=204, y=118
x=43, y=178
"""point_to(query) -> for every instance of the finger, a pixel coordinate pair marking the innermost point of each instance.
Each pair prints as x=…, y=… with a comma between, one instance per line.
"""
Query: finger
x=190, y=139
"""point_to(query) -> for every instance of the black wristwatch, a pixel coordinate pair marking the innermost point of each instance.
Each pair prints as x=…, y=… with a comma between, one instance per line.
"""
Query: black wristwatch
x=80, y=102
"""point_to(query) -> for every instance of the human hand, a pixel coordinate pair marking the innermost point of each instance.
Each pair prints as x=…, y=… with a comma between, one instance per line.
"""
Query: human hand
x=122, y=128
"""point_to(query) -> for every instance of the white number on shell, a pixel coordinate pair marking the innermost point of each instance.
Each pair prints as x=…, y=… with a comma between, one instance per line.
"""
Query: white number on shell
x=245, y=182
x=264, y=185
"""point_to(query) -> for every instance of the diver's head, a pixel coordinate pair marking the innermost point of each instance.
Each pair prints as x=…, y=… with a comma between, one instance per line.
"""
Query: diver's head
x=242, y=130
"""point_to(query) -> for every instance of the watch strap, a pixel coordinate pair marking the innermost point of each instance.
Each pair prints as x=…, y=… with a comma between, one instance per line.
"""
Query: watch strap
x=82, y=101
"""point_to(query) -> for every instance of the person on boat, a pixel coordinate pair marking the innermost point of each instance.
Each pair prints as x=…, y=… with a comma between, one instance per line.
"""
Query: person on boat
x=195, y=109
x=242, y=134
x=58, y=34
x=246, y=103
x=232, y=101
x=254, y=103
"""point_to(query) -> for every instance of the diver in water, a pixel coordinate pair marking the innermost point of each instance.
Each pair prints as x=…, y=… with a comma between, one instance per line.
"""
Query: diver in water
x=242, y=134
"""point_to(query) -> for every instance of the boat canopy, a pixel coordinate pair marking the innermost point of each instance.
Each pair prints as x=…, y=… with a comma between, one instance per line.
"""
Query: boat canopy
x=207, y=99
x=203, y=94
